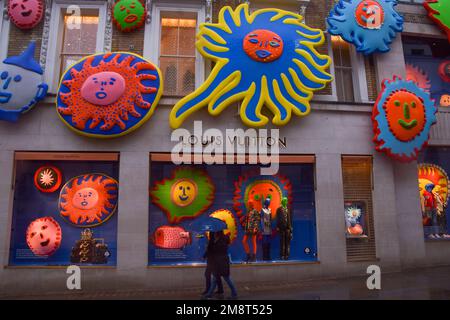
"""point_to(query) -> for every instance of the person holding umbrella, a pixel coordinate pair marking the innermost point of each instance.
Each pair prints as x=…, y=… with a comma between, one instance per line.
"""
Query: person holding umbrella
x=217, y=255
x=208, y=271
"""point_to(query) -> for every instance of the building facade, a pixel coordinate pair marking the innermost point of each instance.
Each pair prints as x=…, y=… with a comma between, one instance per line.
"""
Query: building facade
x=328, y=156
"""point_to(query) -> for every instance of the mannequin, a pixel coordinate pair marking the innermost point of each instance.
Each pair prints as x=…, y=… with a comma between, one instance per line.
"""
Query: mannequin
x=266, y=227
x=284, y=228
x=251, y=228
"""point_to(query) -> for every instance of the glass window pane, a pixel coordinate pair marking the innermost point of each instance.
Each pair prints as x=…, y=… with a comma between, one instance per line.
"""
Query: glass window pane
x=177, y=52
x=80, y=34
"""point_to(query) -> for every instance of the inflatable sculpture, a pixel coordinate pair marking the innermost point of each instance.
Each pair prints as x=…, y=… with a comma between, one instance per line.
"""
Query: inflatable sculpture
x=129, y=15
x=88, y=200
x=47, y=179
x=185, y=195
x=44, y=236
x=419, y=76
x=26, y=14
x=109, y=95
x=439, y=12
x=371, y=25
x=266, y=58
x=402, y=118
x=21, y=84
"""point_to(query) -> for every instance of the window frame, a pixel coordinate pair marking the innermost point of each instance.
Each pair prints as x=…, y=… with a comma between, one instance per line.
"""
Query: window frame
x=53, y=59
x=153, y=34
x=360, y=89
x=4, y=30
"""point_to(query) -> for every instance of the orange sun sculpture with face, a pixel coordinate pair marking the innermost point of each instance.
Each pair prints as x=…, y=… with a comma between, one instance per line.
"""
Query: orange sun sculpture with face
x=109, y=95
x=88, y=200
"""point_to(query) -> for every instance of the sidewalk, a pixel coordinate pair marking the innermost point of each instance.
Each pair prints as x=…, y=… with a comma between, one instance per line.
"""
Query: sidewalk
x=429, y=284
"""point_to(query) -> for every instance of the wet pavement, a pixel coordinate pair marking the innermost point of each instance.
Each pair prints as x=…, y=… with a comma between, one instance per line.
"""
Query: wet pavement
x=428, y=283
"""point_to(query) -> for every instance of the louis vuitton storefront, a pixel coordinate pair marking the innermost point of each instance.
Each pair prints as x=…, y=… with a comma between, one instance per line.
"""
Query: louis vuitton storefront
x=134, y=136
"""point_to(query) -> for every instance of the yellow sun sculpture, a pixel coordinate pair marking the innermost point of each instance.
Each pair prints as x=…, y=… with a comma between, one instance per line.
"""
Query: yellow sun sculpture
x=266, y=58
x=227, y=217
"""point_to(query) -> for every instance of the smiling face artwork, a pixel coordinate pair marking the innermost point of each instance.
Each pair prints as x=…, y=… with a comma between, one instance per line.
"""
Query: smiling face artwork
x=21, y=84
x=26, y=14
x=402, y=119
x=128, y=15
x=44, y=236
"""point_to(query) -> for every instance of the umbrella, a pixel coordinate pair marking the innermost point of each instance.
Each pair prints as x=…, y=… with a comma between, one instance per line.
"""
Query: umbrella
x=213, y=225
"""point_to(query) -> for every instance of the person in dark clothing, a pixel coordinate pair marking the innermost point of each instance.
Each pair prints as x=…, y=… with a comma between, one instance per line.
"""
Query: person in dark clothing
x=208, y=271
x=284, y=228
x=220, y=263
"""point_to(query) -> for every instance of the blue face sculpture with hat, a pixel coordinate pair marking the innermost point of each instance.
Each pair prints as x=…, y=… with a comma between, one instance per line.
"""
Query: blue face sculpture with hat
x=21, y=84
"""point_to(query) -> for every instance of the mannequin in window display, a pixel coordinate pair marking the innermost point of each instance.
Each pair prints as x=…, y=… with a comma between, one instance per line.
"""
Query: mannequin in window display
x=266, y=227
x=251, y=228
x=430, y=205
x=284, y=228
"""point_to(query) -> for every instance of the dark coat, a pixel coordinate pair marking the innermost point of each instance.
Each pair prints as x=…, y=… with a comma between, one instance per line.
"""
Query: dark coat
x=217, y=256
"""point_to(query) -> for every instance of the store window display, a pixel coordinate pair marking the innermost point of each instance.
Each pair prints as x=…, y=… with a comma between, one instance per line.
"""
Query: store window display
x=64, y=211
x=269, y=218
x=434, y=185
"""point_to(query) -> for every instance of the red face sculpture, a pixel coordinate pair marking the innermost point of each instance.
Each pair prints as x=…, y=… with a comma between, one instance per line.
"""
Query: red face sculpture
x=263, y=45
x=444, y=71
x=47, y=179
x=44, y=236
x=405, y=113
x=26, y=14
x=369, y=14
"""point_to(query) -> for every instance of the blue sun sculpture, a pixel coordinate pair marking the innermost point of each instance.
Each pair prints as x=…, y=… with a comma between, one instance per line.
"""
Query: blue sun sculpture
x=267, y=57
x=371, y=25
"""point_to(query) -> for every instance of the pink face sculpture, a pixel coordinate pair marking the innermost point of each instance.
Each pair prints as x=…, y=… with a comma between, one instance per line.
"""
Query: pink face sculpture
x=44, y=236
x=103, y=88
x=26, y=14
x=85, y=199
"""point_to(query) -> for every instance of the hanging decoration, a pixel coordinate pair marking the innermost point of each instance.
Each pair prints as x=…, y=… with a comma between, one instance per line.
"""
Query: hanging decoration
x=371, y=25
x=129, y=15
x=21, y=84
x=88, y=200
x=418, y=76
x=47, y=179
x=444, y=71
x=252, y=186
x=445, y=100
x=227, y=217
x=109, y=95
x=439, y=12
x=169, y=237
x=402, y=118
x=26, y=14
x=44, y=236
x=185, y=195
x=266, y=58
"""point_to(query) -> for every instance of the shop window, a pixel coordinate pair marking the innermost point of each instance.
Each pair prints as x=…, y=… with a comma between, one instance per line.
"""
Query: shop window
x=170, y=42
x=358, y=207
x=428, y=64
x=434, y=184
x=64, y=209
x=184, y=198
x=76, y=30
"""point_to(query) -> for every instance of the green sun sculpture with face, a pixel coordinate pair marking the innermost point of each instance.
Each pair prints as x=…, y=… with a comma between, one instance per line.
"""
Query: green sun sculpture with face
x=439, y=12
x=128, y=15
